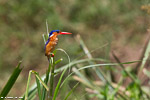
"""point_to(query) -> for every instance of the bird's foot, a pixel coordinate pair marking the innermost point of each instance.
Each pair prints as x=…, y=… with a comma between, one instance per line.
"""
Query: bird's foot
x=52, y=55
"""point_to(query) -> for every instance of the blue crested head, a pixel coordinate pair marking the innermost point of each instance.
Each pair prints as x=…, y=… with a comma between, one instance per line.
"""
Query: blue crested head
x=53, y=31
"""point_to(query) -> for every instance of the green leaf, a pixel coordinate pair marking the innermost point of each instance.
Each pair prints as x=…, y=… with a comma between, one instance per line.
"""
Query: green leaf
x=46, y=81
x=11, y=81
x=56, y=62
x=146, y=55
x=31, y=94
x=29, y=78
x=58, y=85
x=71, y=91
x=27, y=88
x=38, y=88
x=42, y=82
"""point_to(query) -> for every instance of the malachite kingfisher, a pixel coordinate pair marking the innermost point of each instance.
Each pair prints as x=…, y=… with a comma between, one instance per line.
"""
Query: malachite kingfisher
x=52, y=42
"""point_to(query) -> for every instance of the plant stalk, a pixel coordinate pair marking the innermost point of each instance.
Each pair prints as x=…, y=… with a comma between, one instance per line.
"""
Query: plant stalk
x=52, y=78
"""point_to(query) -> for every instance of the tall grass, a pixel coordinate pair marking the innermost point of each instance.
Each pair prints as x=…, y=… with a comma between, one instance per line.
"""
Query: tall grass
x=97, y=86
x=87, y=77
x=101, y=88
x=10, y=82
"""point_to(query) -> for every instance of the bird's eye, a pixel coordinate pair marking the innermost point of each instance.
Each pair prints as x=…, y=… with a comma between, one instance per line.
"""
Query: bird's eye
x=57, y=31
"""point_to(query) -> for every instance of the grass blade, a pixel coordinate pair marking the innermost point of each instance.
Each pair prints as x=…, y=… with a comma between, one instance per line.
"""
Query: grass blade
x=123, y=67
x=71, y=91
x=77, y=62
x=134, y=78
x=38, y=88
x=95, y=65
x=39, y=79
x=31, y=94
x=47, y=27
x=42, y=82
x=56, y=62
x=146, y=72
x=86, y=51
x=58, y=85
x=43, y=35
x=11, y=81
x=52, y=78
x=146, y=55
x=137, y=67
x=46, y=80
x=86, y=81
x=27, y=88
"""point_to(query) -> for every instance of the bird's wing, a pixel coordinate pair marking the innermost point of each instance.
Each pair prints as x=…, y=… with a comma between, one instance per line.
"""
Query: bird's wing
x=47, y=43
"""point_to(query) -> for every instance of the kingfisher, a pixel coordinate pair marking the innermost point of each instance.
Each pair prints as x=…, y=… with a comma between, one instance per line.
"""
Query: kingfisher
x=52, y=42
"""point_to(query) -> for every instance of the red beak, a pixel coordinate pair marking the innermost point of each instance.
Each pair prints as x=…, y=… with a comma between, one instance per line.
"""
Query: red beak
x=65, y=33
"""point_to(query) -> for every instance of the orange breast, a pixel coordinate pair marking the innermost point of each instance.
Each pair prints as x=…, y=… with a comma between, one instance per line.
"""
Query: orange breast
x=51, y=45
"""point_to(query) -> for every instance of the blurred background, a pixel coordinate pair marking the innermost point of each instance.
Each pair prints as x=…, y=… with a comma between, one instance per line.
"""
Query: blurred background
x=121, y=24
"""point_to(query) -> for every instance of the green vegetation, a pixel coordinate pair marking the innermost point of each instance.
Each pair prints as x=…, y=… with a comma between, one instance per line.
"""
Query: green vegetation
x=10, y=82
x=108, y=50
